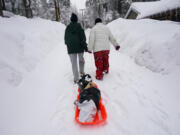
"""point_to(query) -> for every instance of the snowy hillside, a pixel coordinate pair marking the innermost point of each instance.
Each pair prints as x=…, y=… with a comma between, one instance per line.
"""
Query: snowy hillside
x=141, y=92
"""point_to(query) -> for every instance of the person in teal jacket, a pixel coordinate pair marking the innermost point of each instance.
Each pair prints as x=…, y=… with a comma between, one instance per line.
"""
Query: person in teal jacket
x=75, y=40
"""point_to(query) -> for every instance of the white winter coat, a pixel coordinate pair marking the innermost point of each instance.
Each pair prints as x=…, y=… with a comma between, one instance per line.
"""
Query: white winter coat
x=99, y=38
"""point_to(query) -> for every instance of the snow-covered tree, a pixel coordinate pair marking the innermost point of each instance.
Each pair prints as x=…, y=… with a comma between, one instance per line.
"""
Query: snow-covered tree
x=41, y=8
x=65, y=11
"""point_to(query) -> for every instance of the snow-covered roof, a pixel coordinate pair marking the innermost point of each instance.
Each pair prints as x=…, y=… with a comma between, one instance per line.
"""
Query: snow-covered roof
x=150, y=8
x=129, y=10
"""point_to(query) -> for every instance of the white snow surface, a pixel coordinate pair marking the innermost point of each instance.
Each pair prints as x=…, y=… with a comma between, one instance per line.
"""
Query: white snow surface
x=141, y=92
x=150, y=8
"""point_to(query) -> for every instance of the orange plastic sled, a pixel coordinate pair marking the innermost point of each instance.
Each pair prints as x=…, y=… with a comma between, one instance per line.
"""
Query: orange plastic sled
x=100, y=117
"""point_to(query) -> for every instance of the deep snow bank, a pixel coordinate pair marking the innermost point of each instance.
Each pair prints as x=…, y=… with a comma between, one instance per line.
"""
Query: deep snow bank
x=153, y=44
x=24, y=43
x=26, y=103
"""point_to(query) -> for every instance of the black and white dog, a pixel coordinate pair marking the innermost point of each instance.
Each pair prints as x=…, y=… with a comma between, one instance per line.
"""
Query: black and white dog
x=89, y=98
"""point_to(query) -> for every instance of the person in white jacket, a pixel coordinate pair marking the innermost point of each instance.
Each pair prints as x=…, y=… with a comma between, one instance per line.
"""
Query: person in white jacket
x=99, y=38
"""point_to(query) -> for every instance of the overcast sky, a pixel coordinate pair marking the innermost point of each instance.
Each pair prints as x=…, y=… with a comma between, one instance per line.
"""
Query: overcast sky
x=80, y=4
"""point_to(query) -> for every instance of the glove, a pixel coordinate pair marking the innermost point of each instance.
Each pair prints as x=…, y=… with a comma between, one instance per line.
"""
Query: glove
x=85, y=49
x=89, y=52
x=117, y=47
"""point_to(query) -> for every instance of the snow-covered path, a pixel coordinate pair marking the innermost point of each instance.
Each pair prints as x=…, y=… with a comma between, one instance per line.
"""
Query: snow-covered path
x=138, y=101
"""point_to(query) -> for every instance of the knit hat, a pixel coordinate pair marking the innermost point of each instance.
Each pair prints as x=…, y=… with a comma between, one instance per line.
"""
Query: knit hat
x=74, y=17
x=98, y=20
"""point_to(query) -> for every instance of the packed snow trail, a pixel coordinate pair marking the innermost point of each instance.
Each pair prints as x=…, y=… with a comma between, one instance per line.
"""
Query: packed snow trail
x=138, y=101
x=135, y=98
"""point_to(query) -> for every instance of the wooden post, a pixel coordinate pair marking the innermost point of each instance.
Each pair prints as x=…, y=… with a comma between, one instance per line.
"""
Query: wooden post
x=3, y=5
x=83, y=23
x=27, y=5
x=1, y=8
x=57, y=10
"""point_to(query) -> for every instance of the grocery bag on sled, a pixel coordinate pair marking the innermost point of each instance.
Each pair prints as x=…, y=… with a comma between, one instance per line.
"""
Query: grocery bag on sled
x=100, y=116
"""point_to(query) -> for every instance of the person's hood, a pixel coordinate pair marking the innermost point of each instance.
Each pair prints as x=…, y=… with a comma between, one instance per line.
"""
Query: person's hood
x=74, y=27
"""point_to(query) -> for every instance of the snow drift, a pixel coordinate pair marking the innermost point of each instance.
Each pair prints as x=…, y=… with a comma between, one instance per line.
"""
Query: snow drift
x=24, y=43
x=153, y=44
